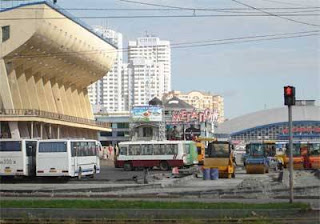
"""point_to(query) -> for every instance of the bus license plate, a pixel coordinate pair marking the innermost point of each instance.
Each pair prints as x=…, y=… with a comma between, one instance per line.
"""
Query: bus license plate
x=52, y=171
x=7, y=171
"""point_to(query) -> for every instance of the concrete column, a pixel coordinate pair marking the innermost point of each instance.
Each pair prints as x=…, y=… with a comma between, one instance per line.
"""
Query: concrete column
x=15, y=91
x=48, y=89
x=32, y=90
x=65, y=102
x=83, y=104
x=41, y=94
x=87, y=105
x=41, y=130
x=50, y=131
x=71, y=101
x=24, y=88
x=58, y=132
x=57, y=97
x=14, y=129
x=5, y=92
x=31, y=131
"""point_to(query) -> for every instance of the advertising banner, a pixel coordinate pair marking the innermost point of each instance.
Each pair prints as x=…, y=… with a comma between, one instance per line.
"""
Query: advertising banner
x=146, y=114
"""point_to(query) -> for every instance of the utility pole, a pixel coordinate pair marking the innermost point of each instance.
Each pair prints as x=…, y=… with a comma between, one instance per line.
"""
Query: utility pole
x=290, y=152
x=290, y=100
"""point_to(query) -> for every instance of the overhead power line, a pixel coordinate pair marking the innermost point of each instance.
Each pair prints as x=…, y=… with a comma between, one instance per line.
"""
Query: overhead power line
x=166, y=16
x=246, y=41
x=283, y=3
x=251, y=37
x=178, y=9
x=275, y=15
x=172, y=7
x=193, y=44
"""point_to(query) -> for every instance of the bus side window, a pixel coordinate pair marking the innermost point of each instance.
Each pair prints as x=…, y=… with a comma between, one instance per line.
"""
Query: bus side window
x=97, y=148
x=162, y=149
x=146, y=149
x=87, y=149
x=167, y=149
x=134, y=150
x=123, y=150
x=74, y=148
x=130, y=150
x=92, y=148
x=186, y=148
x=156, y=149
x=170, y=149
x=81, y=149
x=138, y=150
x=175, y=149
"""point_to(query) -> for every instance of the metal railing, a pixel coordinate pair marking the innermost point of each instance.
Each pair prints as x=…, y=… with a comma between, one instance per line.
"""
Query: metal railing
x=51, y=115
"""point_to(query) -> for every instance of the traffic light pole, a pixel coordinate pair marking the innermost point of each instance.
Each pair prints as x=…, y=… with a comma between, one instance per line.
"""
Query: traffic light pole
x=290, y=153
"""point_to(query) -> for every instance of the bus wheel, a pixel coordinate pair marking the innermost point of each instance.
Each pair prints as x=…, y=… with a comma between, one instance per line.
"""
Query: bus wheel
x=80, y=174
x=127, y=167
x=164, y=165
x=94, y=172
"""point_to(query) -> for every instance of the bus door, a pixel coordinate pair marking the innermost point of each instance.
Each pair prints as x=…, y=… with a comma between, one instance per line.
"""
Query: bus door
x=31, y=157
x=74, y=155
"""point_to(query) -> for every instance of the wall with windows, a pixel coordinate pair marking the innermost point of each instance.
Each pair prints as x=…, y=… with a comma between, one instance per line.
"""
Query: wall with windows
x=272, y=124
x=119, y=125
x=302, y=130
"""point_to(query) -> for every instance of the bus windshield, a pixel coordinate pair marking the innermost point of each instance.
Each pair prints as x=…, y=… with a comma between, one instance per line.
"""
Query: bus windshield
x=10, y=146
x=218, y=150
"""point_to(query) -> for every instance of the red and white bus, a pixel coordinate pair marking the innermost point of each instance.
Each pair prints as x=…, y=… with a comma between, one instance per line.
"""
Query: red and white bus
x=162, y=154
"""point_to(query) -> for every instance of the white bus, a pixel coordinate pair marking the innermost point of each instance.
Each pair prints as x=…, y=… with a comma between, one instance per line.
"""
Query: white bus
x=162, y=154
x=68, y=158
x=17, y=157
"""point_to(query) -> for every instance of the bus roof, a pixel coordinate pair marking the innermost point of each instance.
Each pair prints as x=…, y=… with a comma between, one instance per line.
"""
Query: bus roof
x=154, y=142
x=16, y=139
x=65, y=140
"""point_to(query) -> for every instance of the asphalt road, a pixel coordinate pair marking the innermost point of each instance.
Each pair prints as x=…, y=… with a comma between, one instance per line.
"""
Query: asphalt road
x=108, y=173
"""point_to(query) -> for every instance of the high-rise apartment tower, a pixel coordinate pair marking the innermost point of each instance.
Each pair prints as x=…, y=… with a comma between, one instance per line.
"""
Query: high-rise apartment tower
x=106, y=94
x=149, y=69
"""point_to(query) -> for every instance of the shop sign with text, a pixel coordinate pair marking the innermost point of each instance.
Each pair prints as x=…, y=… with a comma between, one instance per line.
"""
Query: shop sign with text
x=183, y=116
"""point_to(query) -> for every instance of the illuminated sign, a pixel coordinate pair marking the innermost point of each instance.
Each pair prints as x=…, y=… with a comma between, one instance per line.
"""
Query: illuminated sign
x=184, y=116
x=302, y=130
x=146, y=114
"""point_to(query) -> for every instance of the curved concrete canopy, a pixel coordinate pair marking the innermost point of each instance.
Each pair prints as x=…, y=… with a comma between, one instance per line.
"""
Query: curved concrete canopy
x=47, y=60
x=54, y=46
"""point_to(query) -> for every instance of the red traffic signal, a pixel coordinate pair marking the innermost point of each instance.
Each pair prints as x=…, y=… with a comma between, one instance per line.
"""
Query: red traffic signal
x=289, y=95
x=288, y=91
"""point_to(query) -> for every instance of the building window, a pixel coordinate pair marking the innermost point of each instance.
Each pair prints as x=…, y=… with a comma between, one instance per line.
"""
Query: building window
x=120, y=134
x=5, y=33
x=147, y=132
x=123, y=125
x=106, y=143
x=106, y=134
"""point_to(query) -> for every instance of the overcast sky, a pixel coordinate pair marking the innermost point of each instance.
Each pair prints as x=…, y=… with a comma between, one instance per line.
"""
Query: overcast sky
x=250, y=76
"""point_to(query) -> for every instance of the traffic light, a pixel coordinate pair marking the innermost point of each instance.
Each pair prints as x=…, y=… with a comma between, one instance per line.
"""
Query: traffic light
x=289, y=95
